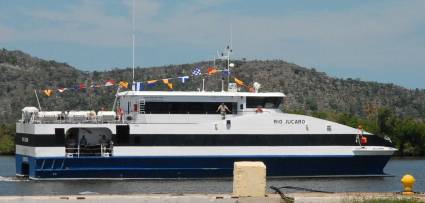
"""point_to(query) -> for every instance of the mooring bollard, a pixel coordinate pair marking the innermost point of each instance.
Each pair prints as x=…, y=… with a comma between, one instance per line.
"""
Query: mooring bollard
x=408, y=181
x=249, y=179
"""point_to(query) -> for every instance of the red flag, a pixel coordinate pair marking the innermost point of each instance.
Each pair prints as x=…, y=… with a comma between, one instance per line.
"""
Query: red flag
x=110, y=82
x=212, y=70
x=82, y=86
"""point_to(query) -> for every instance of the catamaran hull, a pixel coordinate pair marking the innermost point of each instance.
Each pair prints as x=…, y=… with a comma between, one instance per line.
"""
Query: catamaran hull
x=195, y=166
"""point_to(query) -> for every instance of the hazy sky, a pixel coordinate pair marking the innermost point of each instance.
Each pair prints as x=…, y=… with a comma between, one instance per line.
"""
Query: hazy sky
x=371, y=40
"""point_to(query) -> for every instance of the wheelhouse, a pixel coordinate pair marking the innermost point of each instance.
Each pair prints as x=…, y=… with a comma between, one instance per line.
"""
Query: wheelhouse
x=151, y=102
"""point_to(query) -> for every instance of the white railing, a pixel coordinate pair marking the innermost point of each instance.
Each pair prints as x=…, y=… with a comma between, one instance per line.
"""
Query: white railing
x=101, y=150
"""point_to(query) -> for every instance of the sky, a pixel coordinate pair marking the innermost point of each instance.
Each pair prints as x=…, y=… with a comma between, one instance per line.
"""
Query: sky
x=372, y=40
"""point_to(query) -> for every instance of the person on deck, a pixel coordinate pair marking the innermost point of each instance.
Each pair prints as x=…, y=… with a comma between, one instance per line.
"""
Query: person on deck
x=223, y=108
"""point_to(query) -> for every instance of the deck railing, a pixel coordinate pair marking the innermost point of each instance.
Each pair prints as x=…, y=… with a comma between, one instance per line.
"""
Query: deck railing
x=89, y=151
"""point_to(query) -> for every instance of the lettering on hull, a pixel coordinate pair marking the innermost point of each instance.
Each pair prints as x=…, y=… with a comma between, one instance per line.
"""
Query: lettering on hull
x=289, y=122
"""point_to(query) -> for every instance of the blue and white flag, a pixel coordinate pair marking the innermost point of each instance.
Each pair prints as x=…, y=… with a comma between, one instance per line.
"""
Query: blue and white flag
x=196, y=71
x=138, y=86
x=225, y=72
x=183, y=79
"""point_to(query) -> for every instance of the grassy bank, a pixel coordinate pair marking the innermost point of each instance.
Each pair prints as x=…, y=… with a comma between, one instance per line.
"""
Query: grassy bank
x=385, y=200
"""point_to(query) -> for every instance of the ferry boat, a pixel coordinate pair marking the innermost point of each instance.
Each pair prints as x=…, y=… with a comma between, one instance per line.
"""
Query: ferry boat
x=176, y=134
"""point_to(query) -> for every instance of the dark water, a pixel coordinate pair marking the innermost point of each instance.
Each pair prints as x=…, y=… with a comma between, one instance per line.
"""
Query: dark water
x=397, y=167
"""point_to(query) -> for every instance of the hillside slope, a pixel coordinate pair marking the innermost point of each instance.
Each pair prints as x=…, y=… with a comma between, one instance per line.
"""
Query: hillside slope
x=306, y=89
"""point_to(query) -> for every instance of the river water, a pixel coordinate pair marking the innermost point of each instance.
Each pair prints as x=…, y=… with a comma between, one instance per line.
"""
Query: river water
x=397, y=167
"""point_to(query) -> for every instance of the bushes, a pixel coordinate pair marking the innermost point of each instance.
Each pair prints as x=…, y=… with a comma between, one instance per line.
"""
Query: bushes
x=7, y=142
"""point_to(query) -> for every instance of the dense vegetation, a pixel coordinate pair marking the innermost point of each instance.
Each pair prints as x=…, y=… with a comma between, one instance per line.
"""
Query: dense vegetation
x=7, y=141
x=383, y=109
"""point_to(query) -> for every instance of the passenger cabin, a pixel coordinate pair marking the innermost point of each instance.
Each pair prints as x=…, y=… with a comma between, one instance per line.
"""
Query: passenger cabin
x=133, y=103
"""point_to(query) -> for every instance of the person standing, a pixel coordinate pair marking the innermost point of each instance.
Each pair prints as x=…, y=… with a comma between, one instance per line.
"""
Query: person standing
x=222, y=108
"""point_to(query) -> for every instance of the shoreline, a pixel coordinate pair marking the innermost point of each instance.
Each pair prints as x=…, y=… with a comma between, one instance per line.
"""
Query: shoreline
x=169, y=198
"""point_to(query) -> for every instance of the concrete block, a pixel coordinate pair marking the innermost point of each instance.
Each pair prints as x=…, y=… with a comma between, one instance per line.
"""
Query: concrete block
x=249, y=179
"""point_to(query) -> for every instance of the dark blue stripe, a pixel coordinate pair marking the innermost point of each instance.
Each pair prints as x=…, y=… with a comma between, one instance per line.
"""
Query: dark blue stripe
x=199, y=167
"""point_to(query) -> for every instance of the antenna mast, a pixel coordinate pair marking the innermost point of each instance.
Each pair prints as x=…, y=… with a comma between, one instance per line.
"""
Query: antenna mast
x=133, y=36
x=226, y=55
x=229, y=50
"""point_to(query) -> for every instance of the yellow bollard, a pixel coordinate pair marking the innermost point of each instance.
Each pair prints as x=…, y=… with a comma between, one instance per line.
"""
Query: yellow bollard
x=408, y=181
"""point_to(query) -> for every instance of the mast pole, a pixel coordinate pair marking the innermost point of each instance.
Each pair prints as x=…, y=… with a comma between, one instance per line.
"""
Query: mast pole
x=228, y=56
x=38, y=101
x=133, y=36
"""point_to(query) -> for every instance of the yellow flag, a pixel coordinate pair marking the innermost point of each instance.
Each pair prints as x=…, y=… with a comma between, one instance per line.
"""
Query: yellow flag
x=239, y=82
x=48, y=92
x=124, y=84
x=168, y=83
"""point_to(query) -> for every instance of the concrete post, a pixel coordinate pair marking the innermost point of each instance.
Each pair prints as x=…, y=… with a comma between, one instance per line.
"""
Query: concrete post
x=249, y=179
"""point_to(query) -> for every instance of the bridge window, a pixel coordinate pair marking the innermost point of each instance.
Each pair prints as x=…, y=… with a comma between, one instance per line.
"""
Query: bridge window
x=264, y=102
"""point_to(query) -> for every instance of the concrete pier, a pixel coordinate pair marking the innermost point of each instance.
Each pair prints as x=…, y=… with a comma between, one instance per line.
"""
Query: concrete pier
x=201, y=198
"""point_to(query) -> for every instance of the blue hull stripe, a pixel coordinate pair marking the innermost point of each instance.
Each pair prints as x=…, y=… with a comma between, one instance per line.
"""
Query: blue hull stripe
x=195, y=167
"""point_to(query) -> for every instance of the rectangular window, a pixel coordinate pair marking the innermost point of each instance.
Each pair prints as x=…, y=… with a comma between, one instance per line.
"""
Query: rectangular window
x=187, y=107
x=263, y=102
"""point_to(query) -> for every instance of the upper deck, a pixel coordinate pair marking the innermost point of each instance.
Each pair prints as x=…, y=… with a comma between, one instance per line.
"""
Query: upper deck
x=133, y=105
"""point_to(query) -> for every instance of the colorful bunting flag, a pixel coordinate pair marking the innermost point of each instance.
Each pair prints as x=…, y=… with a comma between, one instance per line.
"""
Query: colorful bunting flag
x=61, y=90
x=183, y=78
x=196, y=72
x=138, y=86
x=110, y=83
x=239, y=82
x=211, y=70
x=123, y=84
x=48, y=92
x=225, y=72
x=168, y=83
x=152, y=83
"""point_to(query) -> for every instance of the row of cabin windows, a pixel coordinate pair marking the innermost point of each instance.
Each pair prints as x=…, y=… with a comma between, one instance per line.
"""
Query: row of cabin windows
x=186, y=107
x=201, y=107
